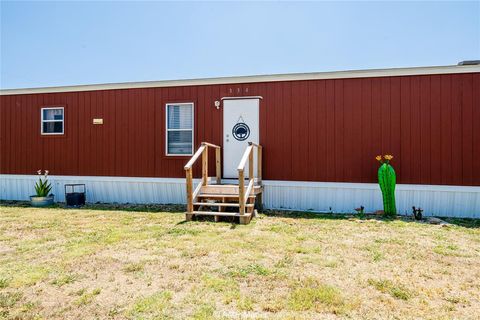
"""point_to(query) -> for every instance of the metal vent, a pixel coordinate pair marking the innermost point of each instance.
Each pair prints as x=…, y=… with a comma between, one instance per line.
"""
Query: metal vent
x=469, y=63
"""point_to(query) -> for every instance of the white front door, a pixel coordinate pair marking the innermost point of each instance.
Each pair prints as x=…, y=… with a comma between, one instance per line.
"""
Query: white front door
x=240, y=126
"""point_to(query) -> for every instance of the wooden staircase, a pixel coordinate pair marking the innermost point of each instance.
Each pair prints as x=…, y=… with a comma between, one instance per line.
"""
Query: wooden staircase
x=224, y=200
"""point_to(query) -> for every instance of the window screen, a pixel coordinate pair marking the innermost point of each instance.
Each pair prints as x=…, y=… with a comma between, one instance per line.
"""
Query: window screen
x=53, y=120
x=180, y=129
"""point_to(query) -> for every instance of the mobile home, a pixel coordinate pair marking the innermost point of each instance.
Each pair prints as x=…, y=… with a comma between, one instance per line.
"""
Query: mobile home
x=319, y=132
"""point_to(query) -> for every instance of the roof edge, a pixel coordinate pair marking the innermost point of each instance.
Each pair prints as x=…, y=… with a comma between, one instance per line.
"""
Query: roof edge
x=254, y=78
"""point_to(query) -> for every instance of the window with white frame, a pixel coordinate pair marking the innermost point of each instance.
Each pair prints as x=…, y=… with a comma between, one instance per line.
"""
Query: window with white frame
x=53, y=120
x=179, y=129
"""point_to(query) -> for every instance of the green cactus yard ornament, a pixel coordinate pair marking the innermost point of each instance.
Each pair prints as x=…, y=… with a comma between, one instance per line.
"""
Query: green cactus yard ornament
x=387, y=181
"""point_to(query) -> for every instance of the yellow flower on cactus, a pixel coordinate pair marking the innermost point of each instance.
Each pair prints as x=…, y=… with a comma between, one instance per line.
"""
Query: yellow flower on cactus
x=388, y=157
x=378, y=158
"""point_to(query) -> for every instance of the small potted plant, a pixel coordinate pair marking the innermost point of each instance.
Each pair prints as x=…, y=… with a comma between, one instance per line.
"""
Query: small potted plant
x=42, y=188
x=417, y=213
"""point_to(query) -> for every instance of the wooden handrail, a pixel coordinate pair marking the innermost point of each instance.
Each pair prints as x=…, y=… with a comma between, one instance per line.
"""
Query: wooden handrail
x=249, y=190
x=244, y=195
x=194, y=158
x=203, y=151
x=199, y=151
x=210, y=145
x=243, y=161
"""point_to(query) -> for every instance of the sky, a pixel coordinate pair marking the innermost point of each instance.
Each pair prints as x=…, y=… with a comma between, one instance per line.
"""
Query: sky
x=72, y=43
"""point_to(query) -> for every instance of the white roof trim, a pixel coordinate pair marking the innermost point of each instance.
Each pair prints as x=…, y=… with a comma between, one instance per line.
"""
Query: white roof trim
x=241, y=97
x=252, y=79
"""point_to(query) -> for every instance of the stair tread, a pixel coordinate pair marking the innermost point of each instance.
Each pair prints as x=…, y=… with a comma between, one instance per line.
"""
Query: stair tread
x=214, y=213
x=226, y=185
x=227, y=189
x=220, y=204
x=216, y=195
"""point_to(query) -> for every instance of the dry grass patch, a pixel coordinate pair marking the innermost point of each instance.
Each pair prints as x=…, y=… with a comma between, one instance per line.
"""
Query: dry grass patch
x=148, y=263
x=87, y=297
x=311, y=295
x=151, y=307
x=134, y=267
x=395, y=290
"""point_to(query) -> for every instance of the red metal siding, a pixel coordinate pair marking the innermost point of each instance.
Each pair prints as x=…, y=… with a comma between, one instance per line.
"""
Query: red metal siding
x=317, y=130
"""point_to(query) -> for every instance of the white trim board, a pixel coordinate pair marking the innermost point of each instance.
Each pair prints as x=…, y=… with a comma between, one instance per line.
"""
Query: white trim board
x=451, y=201
x=348, y=74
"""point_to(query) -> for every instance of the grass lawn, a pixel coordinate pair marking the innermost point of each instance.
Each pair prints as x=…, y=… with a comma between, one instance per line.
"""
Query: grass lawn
x=118, y=264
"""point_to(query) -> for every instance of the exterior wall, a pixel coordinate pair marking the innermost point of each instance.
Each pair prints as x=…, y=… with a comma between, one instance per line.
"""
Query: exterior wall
x=312, y=130
x=452, y=201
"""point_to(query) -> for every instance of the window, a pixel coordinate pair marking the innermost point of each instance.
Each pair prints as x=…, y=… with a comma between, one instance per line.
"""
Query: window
x=179, y=129
x=53, y=120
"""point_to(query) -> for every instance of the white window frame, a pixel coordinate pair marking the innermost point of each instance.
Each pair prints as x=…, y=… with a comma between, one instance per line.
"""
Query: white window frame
x=167, y=129
x=42, y=121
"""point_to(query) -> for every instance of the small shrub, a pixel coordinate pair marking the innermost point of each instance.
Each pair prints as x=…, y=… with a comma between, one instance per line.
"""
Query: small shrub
x=360, y=211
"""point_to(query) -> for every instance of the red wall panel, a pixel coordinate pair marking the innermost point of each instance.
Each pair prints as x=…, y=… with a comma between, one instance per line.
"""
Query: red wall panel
x=318, y=130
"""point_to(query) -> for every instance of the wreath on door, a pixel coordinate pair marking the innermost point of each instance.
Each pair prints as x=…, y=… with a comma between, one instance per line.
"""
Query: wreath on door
x=241, y=131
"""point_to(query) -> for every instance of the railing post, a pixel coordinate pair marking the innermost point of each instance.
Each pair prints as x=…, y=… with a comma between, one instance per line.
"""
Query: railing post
x=250, y=165
x=188, y=173
x=241, y=192
x=218, y=165
x=259, y=164
x=205, y=166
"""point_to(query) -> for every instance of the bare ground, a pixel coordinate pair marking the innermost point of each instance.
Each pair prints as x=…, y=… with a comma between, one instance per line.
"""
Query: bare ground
x=117, y=264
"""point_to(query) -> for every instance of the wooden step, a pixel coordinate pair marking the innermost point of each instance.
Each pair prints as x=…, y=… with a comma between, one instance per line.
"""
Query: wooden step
x=227, y=189
x=220, y=189
x=243, y=219
x=223, y=214
x=220, y=204
x=209, y=195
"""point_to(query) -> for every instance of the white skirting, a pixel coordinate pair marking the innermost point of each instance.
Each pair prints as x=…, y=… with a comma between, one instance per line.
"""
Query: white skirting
x=452, y=201
x=99, y=189
x=436, y=200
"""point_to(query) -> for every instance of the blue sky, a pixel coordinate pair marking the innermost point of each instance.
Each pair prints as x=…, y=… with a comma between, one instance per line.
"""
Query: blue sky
x=67, y=43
